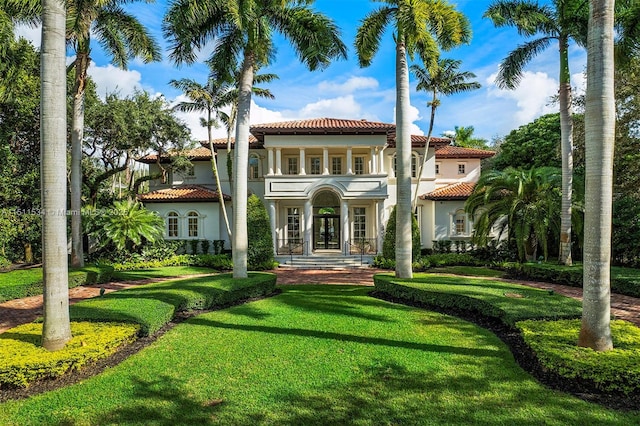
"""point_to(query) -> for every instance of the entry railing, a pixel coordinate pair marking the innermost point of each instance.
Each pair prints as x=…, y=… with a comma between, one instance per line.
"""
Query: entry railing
x=290, y=246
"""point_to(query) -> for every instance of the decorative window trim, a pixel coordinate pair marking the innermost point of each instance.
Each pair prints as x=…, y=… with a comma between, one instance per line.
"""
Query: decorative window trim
x=414, y=164
x=257, y=173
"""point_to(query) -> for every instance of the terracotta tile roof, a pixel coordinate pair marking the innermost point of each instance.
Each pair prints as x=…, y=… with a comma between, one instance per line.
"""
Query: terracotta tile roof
x=221, y=143
x=324, y=126
x=199, y=153
x=456, y=191
x=181, y=193
x=460, y=152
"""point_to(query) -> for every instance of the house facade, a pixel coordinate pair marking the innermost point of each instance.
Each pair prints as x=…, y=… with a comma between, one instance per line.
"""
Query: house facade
x=328, y=185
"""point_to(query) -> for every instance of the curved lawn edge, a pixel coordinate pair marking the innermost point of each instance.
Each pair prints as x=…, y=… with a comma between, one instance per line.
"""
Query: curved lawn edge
x=155, y=308
x=481, y=313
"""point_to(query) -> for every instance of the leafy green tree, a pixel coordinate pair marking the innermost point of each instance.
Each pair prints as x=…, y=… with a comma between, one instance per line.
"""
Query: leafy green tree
x=260, y=253
x=56, y=328
x=244, y=30
x=626, y=231
x=126, y=224
x=419, y=27
x=562, y=21
x=600, y=121
x=464, y=137
x=389, y=241
x=525, y=203
x=442, y=78
x=123, y=37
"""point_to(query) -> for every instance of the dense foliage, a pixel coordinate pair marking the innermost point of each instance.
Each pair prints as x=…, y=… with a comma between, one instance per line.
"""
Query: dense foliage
x=260, y=254
x=389, y=241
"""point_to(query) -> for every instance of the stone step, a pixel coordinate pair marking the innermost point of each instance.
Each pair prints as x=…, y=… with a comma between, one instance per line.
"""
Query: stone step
x=325, y=262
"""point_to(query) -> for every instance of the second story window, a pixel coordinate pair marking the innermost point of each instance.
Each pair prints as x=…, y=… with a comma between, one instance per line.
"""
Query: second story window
x=462, y=169
x=254, y=166
x=336, y=166
x=292, y=166
x=437, y=168
x=314, y=162
x=358, y=165
x=414, y=165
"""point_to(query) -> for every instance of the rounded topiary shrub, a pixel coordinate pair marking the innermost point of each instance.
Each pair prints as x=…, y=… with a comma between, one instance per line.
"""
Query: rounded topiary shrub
x=260, y=252
x=389, y=242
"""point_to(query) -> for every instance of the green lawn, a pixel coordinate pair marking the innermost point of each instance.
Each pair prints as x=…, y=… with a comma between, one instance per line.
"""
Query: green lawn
x=163, y=272
x=315, y=355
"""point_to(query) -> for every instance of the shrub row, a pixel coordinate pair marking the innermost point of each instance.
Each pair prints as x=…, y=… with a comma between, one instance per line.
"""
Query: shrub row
x=617, y=370
x=436, y=260
x=550, y=331
x=220, y=262
x=116, y=318
x=507, y=302
x=571, y=276
x=23, y=360
x=154, y=305
x=24, y=283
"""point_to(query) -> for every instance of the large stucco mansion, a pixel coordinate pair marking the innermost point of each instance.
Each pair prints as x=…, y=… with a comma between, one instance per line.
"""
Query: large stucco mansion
x=328, y=186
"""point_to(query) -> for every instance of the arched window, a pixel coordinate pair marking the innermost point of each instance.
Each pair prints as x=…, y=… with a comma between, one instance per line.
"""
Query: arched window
x=193, y=222
x=254, y=166
x=414, y=165
x=460, y=222
x=173, y=231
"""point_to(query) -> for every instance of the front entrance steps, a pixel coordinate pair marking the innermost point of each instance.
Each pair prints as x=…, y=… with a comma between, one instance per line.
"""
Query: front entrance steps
x=325, y=260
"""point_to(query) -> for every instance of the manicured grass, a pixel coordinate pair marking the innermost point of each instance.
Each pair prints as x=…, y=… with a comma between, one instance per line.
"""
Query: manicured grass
x=506, y=301
x=315, y=355
x=163, y=272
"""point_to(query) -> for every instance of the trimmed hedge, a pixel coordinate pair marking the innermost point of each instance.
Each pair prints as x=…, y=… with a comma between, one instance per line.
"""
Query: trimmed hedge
x=221, y=262
x=154, y=305
x=507, y=302
x=28, y=282
x=622, y=281
x=23, y=360
x=617, y=370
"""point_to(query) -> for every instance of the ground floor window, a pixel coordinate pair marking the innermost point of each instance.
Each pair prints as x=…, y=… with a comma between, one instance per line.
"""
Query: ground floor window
x=193, y=224
x=460, y=222
x=359, y=223
x=172, y=225
x=293, y=224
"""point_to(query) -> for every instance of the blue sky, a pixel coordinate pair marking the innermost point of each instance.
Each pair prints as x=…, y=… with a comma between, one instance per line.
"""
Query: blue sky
x=344, y=90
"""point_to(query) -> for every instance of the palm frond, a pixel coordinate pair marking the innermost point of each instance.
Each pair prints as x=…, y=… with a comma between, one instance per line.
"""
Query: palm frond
x=512, y=66
x=370, y=34
x=528, y=17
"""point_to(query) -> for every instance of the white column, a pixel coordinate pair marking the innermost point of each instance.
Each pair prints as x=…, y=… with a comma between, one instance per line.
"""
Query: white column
x=374, y=161
x=380, y=225
x=270, y=159
x=278, y=161
x=349, y=161
x=325, y=161
x=381, y=157
x=271, y=204
x=344, y=218
x=302, y=162
x=308, y=227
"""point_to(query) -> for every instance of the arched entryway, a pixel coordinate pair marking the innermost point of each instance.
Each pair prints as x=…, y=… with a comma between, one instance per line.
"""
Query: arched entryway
x=326, y=221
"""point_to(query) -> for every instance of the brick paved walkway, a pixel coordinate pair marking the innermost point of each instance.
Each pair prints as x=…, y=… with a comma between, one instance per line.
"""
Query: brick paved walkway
x=21, y=311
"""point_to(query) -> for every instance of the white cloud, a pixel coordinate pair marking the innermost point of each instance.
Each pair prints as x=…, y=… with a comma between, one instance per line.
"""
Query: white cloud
x=111, y=79
x=414, y=115
x=340, y=107
x=531, y=97
x=353, y=84
x=33, y=34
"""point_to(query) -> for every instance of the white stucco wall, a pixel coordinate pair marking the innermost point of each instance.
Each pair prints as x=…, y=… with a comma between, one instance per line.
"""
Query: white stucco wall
x=210, y=219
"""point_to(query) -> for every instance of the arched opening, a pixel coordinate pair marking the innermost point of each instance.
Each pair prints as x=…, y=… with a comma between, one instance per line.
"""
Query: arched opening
x=326, y=221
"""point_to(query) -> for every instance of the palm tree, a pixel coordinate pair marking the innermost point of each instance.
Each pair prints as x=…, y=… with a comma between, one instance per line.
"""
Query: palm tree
x=565, y=21
x=445, y=79
x=128, y=224
x=599, y=120
x=464, y=138
x=523, y=202
x=209, y=99
x=243, y=30
x=123, y=37
x=56, y=330
x=420, y=26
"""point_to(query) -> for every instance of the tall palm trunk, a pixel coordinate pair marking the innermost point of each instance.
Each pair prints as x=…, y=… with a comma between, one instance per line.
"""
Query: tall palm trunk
x=566, y=134
x=77, y=131
x=216, y=175
x=426, y=149
x=56, y=330
x=599, y=121
x=403, y=164
x=240, y=169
